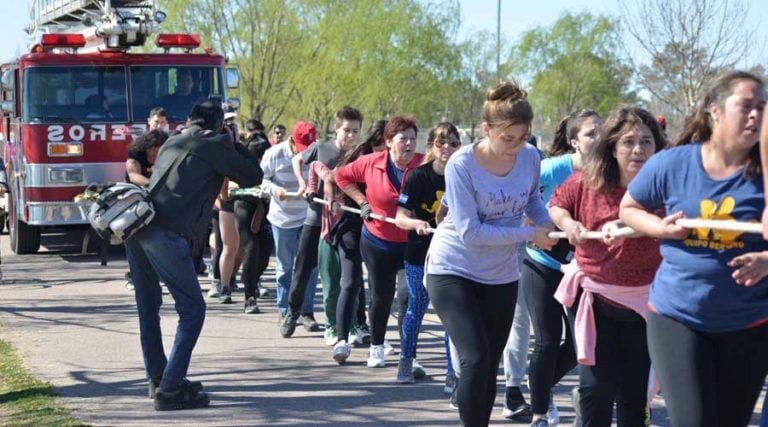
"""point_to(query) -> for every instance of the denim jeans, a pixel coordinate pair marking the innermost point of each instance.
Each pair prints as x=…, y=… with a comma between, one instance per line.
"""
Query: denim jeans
x=156, y=254
x=286, y=247
x=516, y=351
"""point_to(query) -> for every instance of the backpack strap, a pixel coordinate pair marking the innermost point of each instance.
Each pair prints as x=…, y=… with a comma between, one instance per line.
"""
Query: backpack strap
x=175, y=165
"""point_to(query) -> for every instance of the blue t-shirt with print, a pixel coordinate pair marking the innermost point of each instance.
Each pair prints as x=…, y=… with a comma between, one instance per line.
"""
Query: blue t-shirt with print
x=554, y=171
x=693, y=284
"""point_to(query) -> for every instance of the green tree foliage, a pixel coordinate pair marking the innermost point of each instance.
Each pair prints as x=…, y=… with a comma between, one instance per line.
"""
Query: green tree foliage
x=304, y=59
x=572, y=65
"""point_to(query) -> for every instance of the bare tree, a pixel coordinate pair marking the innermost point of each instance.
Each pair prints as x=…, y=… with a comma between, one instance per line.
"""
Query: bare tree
x=689, y=42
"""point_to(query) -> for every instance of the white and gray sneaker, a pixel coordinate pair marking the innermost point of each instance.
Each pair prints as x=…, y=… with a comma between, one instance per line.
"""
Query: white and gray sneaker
x=553, y=415
x=341, y=351
x=388, y=349
x=215, y=289
x=405, y=371
x=376, y=357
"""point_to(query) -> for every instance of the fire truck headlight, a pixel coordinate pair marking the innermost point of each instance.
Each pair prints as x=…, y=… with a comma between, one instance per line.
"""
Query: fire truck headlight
x=65, y=149
x=65, y=175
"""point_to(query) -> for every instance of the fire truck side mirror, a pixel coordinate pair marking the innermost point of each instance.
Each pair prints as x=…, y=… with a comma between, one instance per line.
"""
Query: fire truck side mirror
x=233, y=103
x=233, y=78
x=7, y=80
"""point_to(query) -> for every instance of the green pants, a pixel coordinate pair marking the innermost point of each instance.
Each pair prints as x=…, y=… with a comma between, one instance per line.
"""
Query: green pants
x=329, y=267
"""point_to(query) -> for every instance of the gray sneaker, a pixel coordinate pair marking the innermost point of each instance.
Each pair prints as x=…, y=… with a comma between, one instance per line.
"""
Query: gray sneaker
x=225, y=296
x=341, y=352
x=405, y=371
x=251, y=306
x=450, y=383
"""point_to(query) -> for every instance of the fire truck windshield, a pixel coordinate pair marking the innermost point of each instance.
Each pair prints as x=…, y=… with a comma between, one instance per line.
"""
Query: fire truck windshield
x=101, y=94
x=75, y=95
x=177, y=89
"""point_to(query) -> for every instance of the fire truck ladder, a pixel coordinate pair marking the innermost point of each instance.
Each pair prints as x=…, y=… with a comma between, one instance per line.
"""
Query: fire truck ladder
x=120, y=23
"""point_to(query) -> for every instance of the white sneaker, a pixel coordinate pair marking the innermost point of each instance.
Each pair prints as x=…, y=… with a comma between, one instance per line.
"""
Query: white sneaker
x=376, y=357
x=341, y=351
x=388, y=349
x=553, y=415
x=215, y=289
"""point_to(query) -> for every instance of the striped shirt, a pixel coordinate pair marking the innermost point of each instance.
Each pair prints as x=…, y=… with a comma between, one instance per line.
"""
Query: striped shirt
x=278, y=172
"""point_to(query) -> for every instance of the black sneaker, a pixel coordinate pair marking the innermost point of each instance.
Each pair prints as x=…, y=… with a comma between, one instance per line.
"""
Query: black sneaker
x=251, y=306
x=195, y=386
x=288, y=324
x=515, y=407
x=181, y=398
x=309, y=322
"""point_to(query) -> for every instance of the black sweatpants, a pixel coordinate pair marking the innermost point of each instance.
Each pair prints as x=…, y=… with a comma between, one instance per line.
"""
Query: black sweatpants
x=305, y=263
x=347, y=242
x=620, y=373
x=383, y=267
x=551, y=359
x=478, y=318
x=257, y=247
x=708, y=379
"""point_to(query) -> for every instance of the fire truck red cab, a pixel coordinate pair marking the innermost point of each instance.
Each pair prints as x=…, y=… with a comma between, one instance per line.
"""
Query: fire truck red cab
x=71, y=105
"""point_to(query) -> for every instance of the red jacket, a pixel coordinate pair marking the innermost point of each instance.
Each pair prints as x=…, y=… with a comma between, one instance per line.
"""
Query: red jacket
x=371, y=170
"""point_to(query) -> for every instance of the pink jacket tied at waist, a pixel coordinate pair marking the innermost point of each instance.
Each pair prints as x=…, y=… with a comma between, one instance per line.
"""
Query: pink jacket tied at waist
x=634, y=297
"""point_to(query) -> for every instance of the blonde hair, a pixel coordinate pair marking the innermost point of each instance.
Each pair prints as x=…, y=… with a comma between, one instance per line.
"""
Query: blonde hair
x=506, y=105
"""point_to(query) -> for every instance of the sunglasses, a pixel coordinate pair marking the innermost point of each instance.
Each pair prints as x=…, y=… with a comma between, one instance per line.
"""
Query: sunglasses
x=452, y=142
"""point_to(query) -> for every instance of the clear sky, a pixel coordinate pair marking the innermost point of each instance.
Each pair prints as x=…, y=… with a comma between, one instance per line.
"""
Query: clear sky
x=517, y=16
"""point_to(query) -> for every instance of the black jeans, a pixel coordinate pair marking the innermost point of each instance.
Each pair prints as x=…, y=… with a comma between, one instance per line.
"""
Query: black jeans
x=551, y=359
x=257, y=247
x=383, y=267
x=620, y=373
x=478, y=318
x=708, y=379
x=348, y=244
x=303, y=266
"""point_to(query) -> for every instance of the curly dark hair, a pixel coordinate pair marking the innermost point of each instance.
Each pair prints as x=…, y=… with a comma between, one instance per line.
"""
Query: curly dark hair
x=147, y=140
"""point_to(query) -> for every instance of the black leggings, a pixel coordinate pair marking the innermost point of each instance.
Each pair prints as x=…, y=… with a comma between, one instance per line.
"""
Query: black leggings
x=708, y=379
x=620, y=373
x=257, y=247
x=551, y=359
x=383, y=267
x=478, y=318
x=348, y=245
x=305, y=263
x=219, y=245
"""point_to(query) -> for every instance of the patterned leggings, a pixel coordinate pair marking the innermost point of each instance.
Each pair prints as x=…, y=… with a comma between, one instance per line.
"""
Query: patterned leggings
x=418, y=301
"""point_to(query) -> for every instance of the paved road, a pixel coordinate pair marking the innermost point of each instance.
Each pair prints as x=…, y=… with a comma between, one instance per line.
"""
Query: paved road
x=75, y=325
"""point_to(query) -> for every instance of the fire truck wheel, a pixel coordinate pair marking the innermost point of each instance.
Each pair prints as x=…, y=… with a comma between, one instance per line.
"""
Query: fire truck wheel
x=25, y=238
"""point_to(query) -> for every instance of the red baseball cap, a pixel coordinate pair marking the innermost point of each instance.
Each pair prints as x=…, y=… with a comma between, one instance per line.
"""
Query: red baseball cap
x=303, y=135
x=661, y=120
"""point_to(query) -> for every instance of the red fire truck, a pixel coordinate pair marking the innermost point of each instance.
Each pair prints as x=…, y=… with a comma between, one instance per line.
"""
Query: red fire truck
x=72, y=103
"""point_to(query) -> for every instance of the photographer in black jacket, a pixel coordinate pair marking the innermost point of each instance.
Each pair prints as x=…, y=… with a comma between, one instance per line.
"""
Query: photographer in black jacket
x=163, y=249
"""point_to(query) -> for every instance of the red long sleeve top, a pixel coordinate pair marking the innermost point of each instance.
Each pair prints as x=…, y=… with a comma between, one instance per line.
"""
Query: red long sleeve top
x=381, y=194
